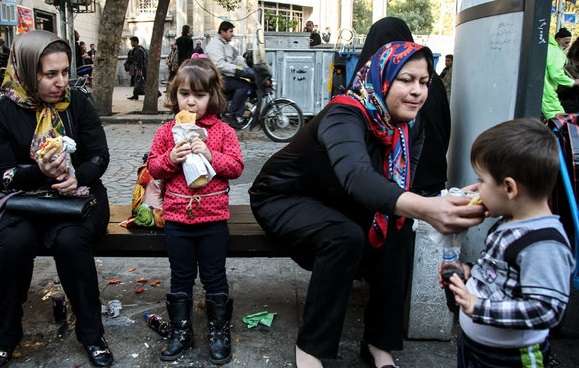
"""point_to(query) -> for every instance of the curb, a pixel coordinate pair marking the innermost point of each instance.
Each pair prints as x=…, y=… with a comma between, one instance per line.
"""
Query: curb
x=136, y=119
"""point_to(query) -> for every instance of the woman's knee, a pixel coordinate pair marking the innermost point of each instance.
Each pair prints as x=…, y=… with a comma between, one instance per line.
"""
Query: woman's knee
x=72, y=239
x=19, y=239
x=347, y=238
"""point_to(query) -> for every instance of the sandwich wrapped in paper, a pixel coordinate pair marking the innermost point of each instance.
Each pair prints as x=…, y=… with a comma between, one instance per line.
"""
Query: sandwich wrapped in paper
x=448, y=239
x=59, y=144
x=198, y=171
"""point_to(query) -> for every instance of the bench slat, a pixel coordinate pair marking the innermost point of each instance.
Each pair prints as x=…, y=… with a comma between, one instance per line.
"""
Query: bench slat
x=247, y=238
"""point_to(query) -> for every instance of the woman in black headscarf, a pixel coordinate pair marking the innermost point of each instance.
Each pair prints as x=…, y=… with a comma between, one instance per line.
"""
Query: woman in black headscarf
x=433, y=118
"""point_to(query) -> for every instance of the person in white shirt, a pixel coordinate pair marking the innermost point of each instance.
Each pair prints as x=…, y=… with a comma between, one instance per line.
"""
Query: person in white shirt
x=233, y=68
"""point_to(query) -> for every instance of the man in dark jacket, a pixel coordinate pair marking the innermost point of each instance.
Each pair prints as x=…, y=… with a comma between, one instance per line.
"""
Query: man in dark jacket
x=136, y=65
x=184, y=45
x=315, y=38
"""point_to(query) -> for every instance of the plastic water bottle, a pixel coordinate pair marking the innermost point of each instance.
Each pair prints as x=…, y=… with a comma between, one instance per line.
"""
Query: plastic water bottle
x=157, y=324
x=451, y=265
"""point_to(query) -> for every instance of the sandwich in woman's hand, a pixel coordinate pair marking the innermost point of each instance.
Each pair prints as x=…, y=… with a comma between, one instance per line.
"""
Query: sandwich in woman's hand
x=475, y=201
x=49, y=144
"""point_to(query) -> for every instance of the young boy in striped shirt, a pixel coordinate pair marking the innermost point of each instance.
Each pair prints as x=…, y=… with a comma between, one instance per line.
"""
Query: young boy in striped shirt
x=519, y=287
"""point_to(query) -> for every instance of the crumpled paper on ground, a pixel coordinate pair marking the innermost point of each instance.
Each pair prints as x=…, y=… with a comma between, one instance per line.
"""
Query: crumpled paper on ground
x=264, y=317
x=195, y=165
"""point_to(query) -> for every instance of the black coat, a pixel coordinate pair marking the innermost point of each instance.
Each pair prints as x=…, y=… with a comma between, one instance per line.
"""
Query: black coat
x=184, y=48
x=90, y=160
x=336, y=160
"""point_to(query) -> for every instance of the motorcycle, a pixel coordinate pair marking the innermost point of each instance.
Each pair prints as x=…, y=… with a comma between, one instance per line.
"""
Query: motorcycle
x=280, y=118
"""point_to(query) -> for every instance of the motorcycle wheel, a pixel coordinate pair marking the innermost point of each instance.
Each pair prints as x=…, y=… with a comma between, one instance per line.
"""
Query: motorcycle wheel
x=282, y=120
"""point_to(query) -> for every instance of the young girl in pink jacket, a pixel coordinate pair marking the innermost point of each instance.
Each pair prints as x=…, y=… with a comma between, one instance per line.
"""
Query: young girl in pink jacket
x=196, y=219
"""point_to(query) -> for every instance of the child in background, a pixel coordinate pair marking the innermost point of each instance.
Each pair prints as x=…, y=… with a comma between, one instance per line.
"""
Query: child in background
x=196, y=219
x=519, y=287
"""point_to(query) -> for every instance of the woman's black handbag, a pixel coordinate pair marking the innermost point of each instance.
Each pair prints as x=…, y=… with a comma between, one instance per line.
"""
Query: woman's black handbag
x=47, y=204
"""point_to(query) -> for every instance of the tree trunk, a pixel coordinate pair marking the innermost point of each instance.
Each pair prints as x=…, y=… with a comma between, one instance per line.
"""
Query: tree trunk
x=150, y=105
x=109, y=39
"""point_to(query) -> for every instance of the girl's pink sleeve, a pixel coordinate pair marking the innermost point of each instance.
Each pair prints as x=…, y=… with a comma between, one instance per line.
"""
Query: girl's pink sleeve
x=158, y=163
x=229, y=162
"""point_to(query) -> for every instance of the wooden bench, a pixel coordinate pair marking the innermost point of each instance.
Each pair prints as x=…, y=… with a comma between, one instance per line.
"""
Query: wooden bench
x=428, y=318
x=247, y=237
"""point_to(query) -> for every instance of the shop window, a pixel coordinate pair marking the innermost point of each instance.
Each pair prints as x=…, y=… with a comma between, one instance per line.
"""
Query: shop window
x=147, y=6
x=280, y=17
x=44, y=20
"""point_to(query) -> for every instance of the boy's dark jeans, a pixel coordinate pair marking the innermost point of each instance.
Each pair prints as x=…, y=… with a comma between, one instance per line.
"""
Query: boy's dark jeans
x=471, y=354
x=204, y=245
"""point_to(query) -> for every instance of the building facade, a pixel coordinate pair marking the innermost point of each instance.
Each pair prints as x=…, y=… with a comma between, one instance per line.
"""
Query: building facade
x=18, y=16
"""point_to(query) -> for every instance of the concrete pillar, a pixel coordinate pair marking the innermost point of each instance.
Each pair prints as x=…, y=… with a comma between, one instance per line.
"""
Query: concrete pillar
x=428, y=317
x=346, y=14
x=180, y=15
x=378, y=10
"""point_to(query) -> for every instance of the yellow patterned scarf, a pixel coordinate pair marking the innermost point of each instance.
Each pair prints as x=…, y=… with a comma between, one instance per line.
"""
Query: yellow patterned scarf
x=20, y=85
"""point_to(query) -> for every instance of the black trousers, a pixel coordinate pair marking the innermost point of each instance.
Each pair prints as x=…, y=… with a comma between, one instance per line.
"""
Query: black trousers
x=71, y=246
x=138, y=82
x=204, y=246
x=337, y=249
x=239, y=91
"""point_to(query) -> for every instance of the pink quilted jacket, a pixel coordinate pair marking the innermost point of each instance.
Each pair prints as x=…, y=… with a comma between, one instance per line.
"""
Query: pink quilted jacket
x=211, y=202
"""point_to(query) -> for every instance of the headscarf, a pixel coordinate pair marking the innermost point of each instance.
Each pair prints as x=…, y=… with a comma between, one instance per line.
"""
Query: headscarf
x=20, y=85
x=385, y=30
x=370, y=88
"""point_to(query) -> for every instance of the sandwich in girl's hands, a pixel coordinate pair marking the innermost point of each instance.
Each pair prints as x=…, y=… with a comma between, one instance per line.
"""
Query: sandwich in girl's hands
x=198, y=171
x=185, y=117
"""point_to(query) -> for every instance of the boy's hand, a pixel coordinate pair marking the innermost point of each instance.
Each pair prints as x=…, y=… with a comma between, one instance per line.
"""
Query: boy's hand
x=465, y=270
x=462, y=296
x=179, y=152
x=198, y=146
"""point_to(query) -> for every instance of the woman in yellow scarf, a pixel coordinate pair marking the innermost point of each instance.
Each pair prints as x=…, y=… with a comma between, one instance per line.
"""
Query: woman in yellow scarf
x=38, y=105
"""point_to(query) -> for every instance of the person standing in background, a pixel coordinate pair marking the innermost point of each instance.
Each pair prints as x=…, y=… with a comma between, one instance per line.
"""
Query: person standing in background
x=198, y=48
x=184, y=45
x=569, y=96
x=172, y=63
x=315, y=38
x=446, y=74
x=563, y=38
x=92, y=53
x=555, y=76
x=136, y=65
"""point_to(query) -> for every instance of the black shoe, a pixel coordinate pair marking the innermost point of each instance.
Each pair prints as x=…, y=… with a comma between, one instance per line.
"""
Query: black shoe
x=5, y=356
x=99, y=354
x=181, y=336
x=368, y=358
x=219, y=310
x=133, y=98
